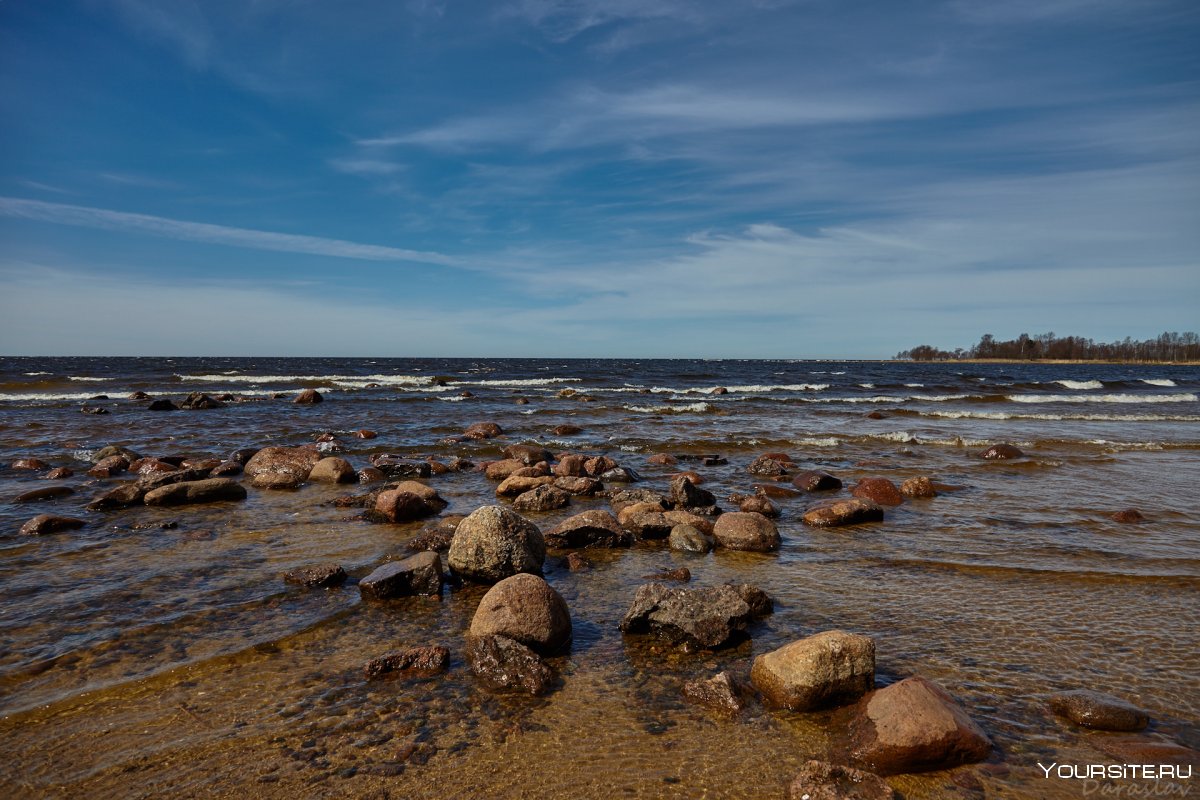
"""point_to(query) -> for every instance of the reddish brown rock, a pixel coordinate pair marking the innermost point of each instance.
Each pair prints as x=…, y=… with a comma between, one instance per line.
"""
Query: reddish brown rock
x=828, y=669
x=594, y=528
x=494, y=542
x=526, y=609
x=914, y=726
x=757, y=504
x=1099, y=711
x=586, y=487
x=499, y=470
x=29, y=463
x=539, y=470
x=540, y=499
x=721, y=693
x=740, y=530
x=123, y=496
x=323, y=576
x=820, y=780
x=409, y=500
x=678, y=575
x=210, y=490
x=44, y=494
x=576, y=562
x=597, y=466
x=1001, y=451
x=769, y=467
x=363, y=433
x=1128, y=516
x=308, y=397
x=919, y=487
x=515, y=485
x=628, y=497
x=662, y=459
x=528, y=454
x=333, y=470
x=415, y=660
x=836, y=513
x=776, y=491
x=879, y=490
x=816, y=481
x=567, y=430
x=571, y=466
x=483, y=430
x=508, y=664
x=693, y=476
x=1145, y=750
x=685, y=494
x=44, y=524
x=281, y=466
x=719, y=390
x=680, y=517
x=645, y=521
x=58, y=474
x=225, y=469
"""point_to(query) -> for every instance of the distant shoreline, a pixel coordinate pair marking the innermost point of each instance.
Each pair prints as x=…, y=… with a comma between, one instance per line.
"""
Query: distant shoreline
x=1044, y=361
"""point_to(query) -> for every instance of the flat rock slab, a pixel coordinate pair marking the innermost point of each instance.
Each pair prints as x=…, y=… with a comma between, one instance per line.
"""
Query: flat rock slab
x=210, y=490
x=820, y=780
x=44, y=494
x=838, y=513
x=324, y=576
x=708, y=617
x=1100, y=711
x=416, y=575
x=415, y=660
x=48, y=523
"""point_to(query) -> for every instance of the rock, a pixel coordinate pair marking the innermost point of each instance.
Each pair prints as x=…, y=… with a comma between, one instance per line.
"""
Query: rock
x=162, y=405
x=417, y=574
x=685, y=494
x=526, y=609
x=43, y=494
x=576, y=562
x=820, y=780
x=528, y=454
x=719, y=693
x=645, y=521
x=29, y=463
x=708, y=617
x=918, y=487
x=680, y=517
x=499, y=470
x=58, y=474
x=101, y=456
x=620, y=475
x=1128, y=516
x=584, y=487
x=1100, y=711
x=757, y=504
x=86, y=409
x=409, y=500
x=759, y=601
x=571, y=466
x=493, y=543
x=832, y=668
x=542, y=498
x=879, y=490
x=123, y=496
x=139, y=396
x=835, y=513
x=225, y=469
x=396, y=467
x=44, y=524
x=504, y=663
x=324, y=576
x=154, y=480
x=243, y=455
x=679, y=575
x=199, y=400
x=662, y=459
x=433, y=539
x=875, y=415
x=308, y=397
x=522, y=401
x=370, y=475
x=816, y=481
x=767, y=466
x=689, y=539
x=1145, y=750
x=773, y=490
x=741, y=530
x=628, y=497
x=483, y=430
x=515, y=485
x=281, y=467
x=205, y=465
x=333, y=470
x=596, y=466
x=363, y=433
x=1001, y=451
x=719, y=390
x=277, y=480
x=417, y=660
x=593, y=528
x=914, y=726
x=210, y=490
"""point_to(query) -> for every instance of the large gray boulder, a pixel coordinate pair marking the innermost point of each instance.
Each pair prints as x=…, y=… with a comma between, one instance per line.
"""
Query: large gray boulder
x=828, y=669
x=493, y=543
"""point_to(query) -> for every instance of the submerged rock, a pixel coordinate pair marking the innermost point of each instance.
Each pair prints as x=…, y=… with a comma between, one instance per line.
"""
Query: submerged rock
x=333, y=470
x=689, y=539
x=417, y=574
x=416, y=660
x=1128, y=516
x=508, y=664
x=44, y=524
x=843, y=512
x=493, y=543
x=210, y=490
x=879, y=490
x=828, y=669
x=594, y=528
x=720, y=693
x=123, y=496
x=308, y=397
x=1001, y=451
x=1100, y=711
x=526, y=609
x=820, y=780
x=43, y=494
x=483, y=430
x=918, y=487
x=29, y=463
x=325, y=576
x=162, y=405
x=708, y=617
x=742, y=530
x=816, y=481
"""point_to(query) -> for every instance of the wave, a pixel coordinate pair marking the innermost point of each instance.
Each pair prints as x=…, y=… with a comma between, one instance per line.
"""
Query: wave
x=1081, y=384
x=915, y=385
x=1103, y=398
x=41, y=397
x=86, y=379
x=694, y=408
x=1159, y=381
x=1002, y=415
x=39, y=373
x=816, y=441
x=516, y=382
x=787, y=387
x=390, y=380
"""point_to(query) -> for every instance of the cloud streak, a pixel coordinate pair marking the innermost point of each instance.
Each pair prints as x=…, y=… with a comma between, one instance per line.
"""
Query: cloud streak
x=206, y=233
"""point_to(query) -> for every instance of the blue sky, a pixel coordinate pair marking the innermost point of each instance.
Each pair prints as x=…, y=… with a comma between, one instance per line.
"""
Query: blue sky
x=816, y=178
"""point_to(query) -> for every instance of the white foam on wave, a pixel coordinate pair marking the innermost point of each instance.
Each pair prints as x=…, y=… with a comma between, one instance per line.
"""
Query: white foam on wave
x=1002, y=415
x=816, y=441
x=41, y=397
x=38, y=373
x=1080, y=384
x=387, y=380
x=85, y=379
x=785, y=387
x=455, y=399
x=515, y=382
x=694, y=408
x=1159, y=381
x=915, y=385
x=1103, y=398
x=867, y=385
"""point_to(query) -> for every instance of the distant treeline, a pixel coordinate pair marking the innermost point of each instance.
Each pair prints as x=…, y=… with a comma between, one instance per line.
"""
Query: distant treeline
x=1167, y=347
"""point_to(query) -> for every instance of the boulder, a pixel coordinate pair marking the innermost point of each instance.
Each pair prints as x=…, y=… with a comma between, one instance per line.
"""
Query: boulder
x=123, y=496
x=507, y=664
x=1128, y=516
x=742, y=530
x=836, y=513
x=1100, y=711
x=645, y=521
x=162, y=405
x=720, y=693
x=363, y=433
x=594, y=528
x=914, y=726
x=44, y=494
x=29, y=463
x=543, y=498
x=243, y=455
x=515, y=485
x=571, y=466
x=429, y=660
x=719, y=390
x=225, y=469
x=816, y=481
x=210, y=490
x=680, y=517
x=879, y=490
x=333, y=470
x=829, y=669
x=483, y=430
x=281, y=466
x=707, y=617
x=662, y=459
x=528, y=454
x=499, y=470
x=58, y=474
x=919, y=487
x=629, y=497
x=153, y=480
x=524, y=608
x=584, y=487
x=324, y=576
x=277, y=480
x=308, y=397
x=417, y=574
x=820, y=780
x=685, y=494
x=199, y=400
x=767, y=467
x=758, y=504
x=620, y=475
x=396, y=467
x=493, y=543
x=409, y=500
x=44, y=524
x=689, y=539
x=596, y=466
x=1001, y=451
x=370, y=475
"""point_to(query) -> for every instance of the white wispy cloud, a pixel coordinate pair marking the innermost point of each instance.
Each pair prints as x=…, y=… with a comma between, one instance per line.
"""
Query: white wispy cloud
x=366, y=166
x=105, y=219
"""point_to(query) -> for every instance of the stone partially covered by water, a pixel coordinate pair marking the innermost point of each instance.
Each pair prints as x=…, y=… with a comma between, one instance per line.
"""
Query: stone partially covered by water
x=708, y=617
x=493, y=543
x=826, y=669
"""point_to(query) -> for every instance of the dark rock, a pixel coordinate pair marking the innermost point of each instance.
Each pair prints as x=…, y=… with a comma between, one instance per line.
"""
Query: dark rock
x=494, y=542
x=879, y=490
x=139, y=396
x=689, y=539
x=918, y=487
x=594, y=528
x=48, y=523
x=417, y=574
x=199, y=400
x=508, y=664
x=370, y=475
x=760, y=602
x=43, y=494
x=528, y=454
x=816, y=481
x=162, y=405
x=1001, y=451
x=914, y=726
x=719, y=693
x=436, y=539
x=773, y=490
x=679, y=575
x=308, y=397
x=829, y=669
x=93, y=409
x=820, y=780
x=211, y=490
x=541, y=498
x=876, y=415
x=29, y=463
x=524, y=608
x=154, y=480
x=415, y=660
x=243, y=455
x=397, y=467
x=835, y=513
x=483, y=430
x=58, y=474
x=225, y=469
x=325, y=576
x=685, y=494
x=1128, y=516
x=123, y=496
x=708, y=617
x=714, y=461
x=740, y=530
x=766, y=466
x=1100, y=711
x=620, y=475
x=567, y=430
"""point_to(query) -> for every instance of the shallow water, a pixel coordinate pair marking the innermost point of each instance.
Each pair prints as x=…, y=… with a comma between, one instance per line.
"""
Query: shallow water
x=141, y=661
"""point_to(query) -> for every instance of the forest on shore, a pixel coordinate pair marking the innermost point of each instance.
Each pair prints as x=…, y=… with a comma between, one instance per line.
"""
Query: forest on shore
x=1169, y=346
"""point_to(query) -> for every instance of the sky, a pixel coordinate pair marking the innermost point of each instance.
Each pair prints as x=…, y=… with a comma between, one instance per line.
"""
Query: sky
x=583, y=178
